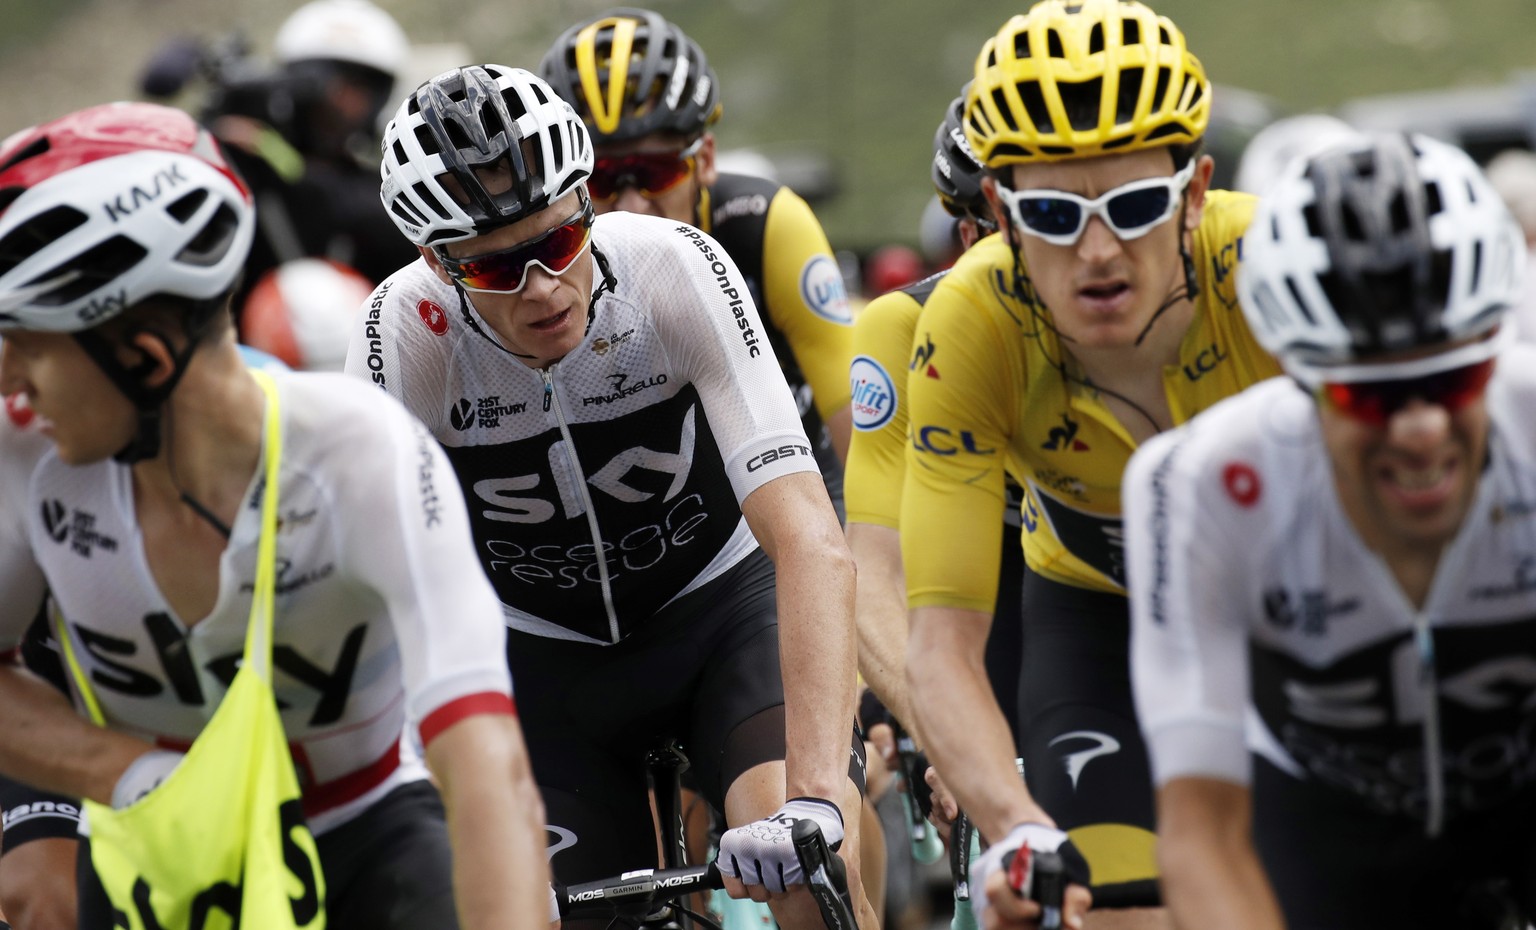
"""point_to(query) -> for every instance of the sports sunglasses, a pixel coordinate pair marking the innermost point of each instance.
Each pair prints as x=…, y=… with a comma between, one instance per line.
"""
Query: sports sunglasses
x=506, y=271
x=1130, y=211
x=652, y=173
x=1374, y=402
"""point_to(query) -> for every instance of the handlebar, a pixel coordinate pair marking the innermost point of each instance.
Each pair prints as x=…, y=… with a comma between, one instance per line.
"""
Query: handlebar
x=640, y=892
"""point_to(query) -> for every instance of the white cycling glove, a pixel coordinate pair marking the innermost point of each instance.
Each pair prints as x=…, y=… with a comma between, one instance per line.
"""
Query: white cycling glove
x=762, y=853
x=1037, y=836
x=144, y=775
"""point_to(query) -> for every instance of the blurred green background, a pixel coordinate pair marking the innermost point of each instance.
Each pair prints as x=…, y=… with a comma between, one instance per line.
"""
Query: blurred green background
x=841, y=93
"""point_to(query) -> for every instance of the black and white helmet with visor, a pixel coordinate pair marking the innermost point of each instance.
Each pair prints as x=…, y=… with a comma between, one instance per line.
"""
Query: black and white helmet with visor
x=1384, y=247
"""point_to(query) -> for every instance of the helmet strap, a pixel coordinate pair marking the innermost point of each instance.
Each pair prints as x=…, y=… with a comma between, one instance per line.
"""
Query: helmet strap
x=149, y=402
x=608, y=284
x=469, y=319
x=1191, y=286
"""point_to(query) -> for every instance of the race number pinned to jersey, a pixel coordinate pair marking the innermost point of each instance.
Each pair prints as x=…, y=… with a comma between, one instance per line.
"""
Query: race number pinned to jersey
x=874, y=393
x=821, y=287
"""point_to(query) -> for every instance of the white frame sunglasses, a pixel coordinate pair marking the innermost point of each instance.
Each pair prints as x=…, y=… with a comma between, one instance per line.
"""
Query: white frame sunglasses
x=1101, y=206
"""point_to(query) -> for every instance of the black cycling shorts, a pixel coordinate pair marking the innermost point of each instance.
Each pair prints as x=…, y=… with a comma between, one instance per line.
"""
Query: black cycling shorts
x=389, y=868
x=1336, y=865
x=1084, y=759
x=1005, y=642
x=704, y=671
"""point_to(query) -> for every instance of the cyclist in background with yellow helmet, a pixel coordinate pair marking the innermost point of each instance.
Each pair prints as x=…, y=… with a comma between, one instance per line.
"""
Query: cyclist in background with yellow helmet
x=656, y=155
x=1105, y=313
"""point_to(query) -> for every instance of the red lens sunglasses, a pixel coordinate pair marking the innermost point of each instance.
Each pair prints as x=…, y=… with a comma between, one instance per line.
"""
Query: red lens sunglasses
x=1375, y=402
x=506, y=271
x=652, y=173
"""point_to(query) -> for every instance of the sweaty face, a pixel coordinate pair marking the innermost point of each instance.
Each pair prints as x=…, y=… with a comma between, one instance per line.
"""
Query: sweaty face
x=1102, y=290
x=84, y=414
x=548, y=317
x=1407, y=483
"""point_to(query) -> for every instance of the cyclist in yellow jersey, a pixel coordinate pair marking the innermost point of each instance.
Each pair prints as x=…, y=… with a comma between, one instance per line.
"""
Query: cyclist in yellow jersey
x=882, y=342
x=656, y=154
x=1103, y=314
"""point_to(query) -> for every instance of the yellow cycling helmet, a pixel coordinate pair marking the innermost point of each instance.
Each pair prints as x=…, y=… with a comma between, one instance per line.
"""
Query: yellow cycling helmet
x=1077, y=78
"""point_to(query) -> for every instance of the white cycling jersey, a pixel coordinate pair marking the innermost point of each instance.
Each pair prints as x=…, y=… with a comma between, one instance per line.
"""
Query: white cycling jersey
x=1255, y=603
x=383, y=616
x=641, y=443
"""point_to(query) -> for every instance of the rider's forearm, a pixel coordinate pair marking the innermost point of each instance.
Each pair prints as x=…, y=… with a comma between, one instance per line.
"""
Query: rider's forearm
x=1211, y=874
x=967, y=737
x=495, y=824
x=44, y=743
x=818, y=655
x=881, y=613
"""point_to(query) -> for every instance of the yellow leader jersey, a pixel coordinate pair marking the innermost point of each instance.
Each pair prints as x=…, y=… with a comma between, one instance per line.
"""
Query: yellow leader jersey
x=987, y=395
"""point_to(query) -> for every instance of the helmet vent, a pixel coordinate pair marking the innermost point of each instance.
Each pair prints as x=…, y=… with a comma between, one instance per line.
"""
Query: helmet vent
x=186, y=207
x=1086, y=117
x=425, y=196
x=95, y=267
x=1195, y=89
x=457, y=137
x=1398, y=211
x=1477, y=265
x=26, y=239
x=557, y=143
x=1164, y=78
x=491, y=120
x=1290, y=285
x=32, y=151
x=427, y=141
x=1020, y=49
x=1053, y=47
x=1096, y=39
x=1163, y=36
x=1034, y=105
x=210, y=245
x=1432, y=202
x=1130, y=32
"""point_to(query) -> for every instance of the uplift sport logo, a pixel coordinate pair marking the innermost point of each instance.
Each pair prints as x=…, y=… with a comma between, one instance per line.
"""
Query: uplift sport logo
x=821, y=287
x=874, y=393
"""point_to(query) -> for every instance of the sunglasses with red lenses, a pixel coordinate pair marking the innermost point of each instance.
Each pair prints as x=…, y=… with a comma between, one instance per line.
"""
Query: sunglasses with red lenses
x=506, y=271
x=651, y=173
x=1375, y=402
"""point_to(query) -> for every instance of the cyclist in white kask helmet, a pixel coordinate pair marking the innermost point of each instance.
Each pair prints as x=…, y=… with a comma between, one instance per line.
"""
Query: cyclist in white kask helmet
x=122, y=234
x=643, y=495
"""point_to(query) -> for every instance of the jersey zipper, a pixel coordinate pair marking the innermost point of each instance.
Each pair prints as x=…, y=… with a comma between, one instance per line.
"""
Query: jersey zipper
x=1434, y=767
x=586, y=499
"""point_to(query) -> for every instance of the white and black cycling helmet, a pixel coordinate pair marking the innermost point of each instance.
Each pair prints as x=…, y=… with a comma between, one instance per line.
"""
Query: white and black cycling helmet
x=109, y=206
x=1377, y=245
x=468, y=125
x=956, y=172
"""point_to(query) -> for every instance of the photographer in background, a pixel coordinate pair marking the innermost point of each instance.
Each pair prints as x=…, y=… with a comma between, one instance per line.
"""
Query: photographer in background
x=303, y=134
